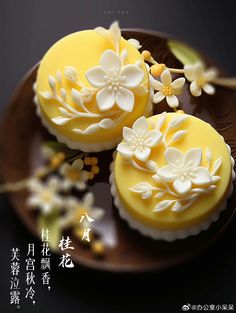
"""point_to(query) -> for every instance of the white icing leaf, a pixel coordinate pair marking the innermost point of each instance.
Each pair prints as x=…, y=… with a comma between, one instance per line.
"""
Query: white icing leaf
x=135, y=43
x=63, y=94
x=93, y=128
x=65, y=112
x=177, y=207
x=163, y=205
x=208, y=154
x=52, y=82
x=159, y=195
x=178, y=135
x=123, y=55
x=144, y=189
x=176, y=121
x=58, y=77
x=152, y=165
x=116, y=34
x=59, y=120
x=77, y=97
x=47, y=95
x=106, y=123
x=71, y=73
x=161, y=120
x=215, y=178
x=217, y=165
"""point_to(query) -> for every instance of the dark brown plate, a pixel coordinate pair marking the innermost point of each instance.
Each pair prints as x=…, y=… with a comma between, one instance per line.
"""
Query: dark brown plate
x=128, y=251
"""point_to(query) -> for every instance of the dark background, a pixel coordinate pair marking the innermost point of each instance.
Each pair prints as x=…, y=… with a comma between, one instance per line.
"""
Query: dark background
x=27, y=30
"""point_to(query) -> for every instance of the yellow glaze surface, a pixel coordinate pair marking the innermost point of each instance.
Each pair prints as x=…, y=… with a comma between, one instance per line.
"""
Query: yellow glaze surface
x=200, y=135
x=83, y=50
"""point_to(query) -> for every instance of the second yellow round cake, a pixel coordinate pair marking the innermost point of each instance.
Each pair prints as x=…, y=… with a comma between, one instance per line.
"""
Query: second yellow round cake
x=172, y=175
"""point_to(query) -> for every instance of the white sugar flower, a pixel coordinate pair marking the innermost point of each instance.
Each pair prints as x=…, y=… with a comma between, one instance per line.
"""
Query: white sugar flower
x=138, y=141
x=45, y=196
x=183, y=170
x=144, y=189
x=115, y=82
x=200, y=78
x=168, y=89
x=82, y=211
x=74, y=175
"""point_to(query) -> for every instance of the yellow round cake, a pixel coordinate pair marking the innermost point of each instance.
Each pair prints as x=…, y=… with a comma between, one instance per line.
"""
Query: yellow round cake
x=91, y=84
x=171, y=176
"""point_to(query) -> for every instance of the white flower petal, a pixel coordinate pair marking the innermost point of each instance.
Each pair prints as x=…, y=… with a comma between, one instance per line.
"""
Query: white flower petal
x=34, y=201
x=105, y=99
x=132, y=76
x=96, y=76
x=195, y=89
x=125, y=150
x=182, y=185
x=166, y=173
x=193, y=157
x=53, y=183
x=209, y=89
x=193, y=72
x=152, y=138
x=128, y=134
x=97, y=213
x=174, y=157
x=158, y=97
x=125, y=99
x=46, y=207
x=135, y=43
x=78, y=164
x=88, y=199
x=142, y=154
x=157, y=85
x=172, y=101
x=64, y=168
x=178, y=83
x=67, y=184
x=140, y=124
x=210, y=74
x=84, y=175
x=80, y=185
x=110, y=61
x=166, y=78
x=201, y=176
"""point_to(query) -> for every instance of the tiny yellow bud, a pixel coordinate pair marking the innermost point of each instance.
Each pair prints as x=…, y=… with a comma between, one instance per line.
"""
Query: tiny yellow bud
x=87, y=161
x=57, y=159
x=95, y=169
x=94, y=161
x=90, y=175
x=157, y=69
x=146, y=55
x=98, y=248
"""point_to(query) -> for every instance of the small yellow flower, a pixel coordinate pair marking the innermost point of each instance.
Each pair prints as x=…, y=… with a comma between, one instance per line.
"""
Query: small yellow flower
x=45, y=195
x=57, y=159
x=95, y=169
x=74, y=175
x=200, y=78
x=168, y=89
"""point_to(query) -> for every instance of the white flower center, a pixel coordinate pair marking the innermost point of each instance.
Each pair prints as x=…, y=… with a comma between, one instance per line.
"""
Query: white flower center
x=46, y=196
x=167, y=90
x=138, y=140
x=114, y=79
